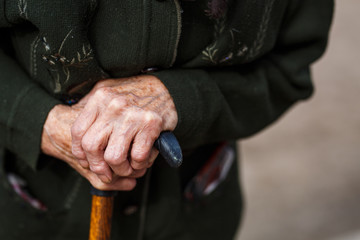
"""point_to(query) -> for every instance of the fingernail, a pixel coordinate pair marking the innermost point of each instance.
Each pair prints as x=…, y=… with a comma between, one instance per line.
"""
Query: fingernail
x=84, y=163
x=104, y=179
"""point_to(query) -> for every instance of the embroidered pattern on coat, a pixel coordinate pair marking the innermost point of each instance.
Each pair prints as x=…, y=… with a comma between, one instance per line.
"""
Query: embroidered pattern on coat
x=260, y=38
x=210, y=52
x=33, y=51
x=216, y=56
x=22, y=5
x=235, y=49
x=58, y=61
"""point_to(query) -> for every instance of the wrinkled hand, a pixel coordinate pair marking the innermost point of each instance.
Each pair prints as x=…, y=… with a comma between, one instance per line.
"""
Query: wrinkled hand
x=56, y=142
x=115, y=132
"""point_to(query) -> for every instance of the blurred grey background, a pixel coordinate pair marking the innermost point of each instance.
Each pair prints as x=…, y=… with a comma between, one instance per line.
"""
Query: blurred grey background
x=302, y=175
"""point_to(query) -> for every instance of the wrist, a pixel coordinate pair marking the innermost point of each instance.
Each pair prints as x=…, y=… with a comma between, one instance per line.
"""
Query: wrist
x=56, y=138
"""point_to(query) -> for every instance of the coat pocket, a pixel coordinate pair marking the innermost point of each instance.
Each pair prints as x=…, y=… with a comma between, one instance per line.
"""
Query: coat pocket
x=19, y=220
x=211, y=175
x=219, y=203
x=24, y=216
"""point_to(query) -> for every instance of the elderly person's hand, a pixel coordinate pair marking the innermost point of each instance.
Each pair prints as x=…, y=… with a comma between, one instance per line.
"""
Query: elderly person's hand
x=115, y=132
x=56, y=142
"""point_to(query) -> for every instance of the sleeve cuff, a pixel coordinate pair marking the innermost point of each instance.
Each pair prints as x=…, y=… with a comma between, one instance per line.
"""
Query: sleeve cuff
x=190, y=88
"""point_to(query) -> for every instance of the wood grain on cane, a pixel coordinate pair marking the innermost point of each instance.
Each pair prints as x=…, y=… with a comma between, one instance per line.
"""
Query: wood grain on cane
x=100, y=222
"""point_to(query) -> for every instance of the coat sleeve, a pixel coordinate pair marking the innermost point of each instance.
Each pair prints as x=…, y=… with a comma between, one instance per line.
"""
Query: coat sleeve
x=24, y=106
x=232, y=103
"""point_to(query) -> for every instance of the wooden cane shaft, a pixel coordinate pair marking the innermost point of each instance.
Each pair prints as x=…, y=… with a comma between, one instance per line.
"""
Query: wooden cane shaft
x=101, y=213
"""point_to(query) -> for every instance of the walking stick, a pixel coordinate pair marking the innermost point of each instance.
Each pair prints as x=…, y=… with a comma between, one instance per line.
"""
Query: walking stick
x=102, y=201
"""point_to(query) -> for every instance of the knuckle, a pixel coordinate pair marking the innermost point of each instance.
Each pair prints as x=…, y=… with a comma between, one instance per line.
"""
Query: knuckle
x=152, y=119
x=115, y=156
x=130, y=117
x=113, y=160
x=123, y=170
x=117, y=103
x=87, y=145
x=139, y=155
x=90, y=145
x=101, y=93
x=77, y=130
x=76, y=151
x=98, y=167
x=128, y=172
x=136, y=166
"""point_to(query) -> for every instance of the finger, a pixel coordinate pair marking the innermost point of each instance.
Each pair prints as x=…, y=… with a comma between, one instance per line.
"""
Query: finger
x=83, y=163
x=94, y=143
x=102, y=167
x=153, y=155
x=81, y=125
x=143, y=145
x=86, y=118
x=145, y=164
x=138, y=173
x=124, y=169
x=122, y=184
x=118, y=184
x=116, y=153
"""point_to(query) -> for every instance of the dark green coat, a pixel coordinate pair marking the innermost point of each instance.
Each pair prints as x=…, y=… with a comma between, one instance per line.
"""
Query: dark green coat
x=229, y=77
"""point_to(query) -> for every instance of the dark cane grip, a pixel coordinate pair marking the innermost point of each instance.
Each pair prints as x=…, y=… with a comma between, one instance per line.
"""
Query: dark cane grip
x=169, y=149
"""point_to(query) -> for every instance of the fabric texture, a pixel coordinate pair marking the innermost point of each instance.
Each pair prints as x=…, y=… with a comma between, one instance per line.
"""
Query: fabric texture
x=231, y=74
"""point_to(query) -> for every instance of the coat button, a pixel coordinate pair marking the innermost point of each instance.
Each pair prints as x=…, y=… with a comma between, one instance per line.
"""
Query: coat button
x=130, y=210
